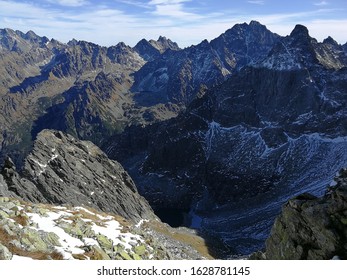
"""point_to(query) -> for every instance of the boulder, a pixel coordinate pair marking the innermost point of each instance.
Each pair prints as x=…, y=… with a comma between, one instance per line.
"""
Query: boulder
x=311, y=227
x=5, y=254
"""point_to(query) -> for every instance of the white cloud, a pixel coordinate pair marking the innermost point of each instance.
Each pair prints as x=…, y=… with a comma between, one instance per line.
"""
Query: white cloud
x=257, y=2
x=69, y=3
x=135, y=3
x=166, y=2
x=174, y=9
x=322, y=3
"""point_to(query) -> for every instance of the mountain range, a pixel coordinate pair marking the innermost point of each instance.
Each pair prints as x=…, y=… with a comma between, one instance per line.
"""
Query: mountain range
x=220, y=134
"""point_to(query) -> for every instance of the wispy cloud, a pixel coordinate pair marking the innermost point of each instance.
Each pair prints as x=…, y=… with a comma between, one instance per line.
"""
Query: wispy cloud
x=257, y=2
x=321, y=3
x=173, y=8
x=135, y=3
x=167, y=2
x=69, y=3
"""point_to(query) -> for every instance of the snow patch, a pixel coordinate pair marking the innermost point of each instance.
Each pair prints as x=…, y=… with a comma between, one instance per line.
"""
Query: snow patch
x=70, y=245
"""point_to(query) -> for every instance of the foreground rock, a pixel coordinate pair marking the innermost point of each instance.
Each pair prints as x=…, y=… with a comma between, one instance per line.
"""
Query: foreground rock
x=311, y=227
x=41, y=231
x=63, y=170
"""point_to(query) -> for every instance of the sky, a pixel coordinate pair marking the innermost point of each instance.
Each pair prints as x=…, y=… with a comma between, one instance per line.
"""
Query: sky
x=187, y=22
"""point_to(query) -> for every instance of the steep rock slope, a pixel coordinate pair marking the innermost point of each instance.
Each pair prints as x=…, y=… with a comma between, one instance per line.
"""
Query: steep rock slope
x=311, y=227
x=271, y=131
x=63, y=170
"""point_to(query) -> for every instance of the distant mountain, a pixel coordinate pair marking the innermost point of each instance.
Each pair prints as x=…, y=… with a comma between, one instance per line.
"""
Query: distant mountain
x=151, y=50
x=17, y=41
x=178, y=76
x=81, y=87
x=274, y=129
x=41, y=77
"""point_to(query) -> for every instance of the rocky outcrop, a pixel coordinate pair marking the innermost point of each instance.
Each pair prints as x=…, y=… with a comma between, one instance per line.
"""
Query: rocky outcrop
x=46, y=232
x=311, y=227
x=63, y=170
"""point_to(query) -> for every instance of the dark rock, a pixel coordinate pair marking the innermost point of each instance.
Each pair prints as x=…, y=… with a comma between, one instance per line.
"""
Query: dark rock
x=310, y=227
x=63, y=170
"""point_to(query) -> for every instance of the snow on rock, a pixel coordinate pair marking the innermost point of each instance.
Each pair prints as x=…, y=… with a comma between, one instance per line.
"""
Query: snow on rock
x=59, y=232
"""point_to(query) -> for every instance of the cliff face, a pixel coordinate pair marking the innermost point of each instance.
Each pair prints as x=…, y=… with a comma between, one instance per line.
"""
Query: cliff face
x=63, y=170
x=310, y=227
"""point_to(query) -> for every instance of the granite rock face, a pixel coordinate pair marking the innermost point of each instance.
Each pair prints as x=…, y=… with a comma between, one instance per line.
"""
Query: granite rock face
x=311, y=227
x=63, y=170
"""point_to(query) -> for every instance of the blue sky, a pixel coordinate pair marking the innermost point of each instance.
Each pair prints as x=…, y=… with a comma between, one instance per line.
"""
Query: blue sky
x=107, y=22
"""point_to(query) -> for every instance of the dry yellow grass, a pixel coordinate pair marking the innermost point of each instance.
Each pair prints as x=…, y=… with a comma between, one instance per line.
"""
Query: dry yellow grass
x=21, y=219
x=197, y=242
x=6, y=239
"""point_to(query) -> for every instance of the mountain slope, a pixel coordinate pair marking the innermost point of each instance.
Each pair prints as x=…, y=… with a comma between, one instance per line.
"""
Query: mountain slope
x=273, y=130
x=41, y=77
x=177, y=76
x=81, y=87
x=63, y=170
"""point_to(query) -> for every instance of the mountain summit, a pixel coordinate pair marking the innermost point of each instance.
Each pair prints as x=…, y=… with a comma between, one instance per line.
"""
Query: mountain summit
x=151, y=50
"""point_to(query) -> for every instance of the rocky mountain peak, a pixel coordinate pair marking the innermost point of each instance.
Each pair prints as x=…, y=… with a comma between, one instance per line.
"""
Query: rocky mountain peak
x=162, y=39
x=7, y=32
x=151, y=50
x=299, y=50
x=122, y=45
x=31, y=35
x=18, y=41
x=163, y=44
x=255, y=23
x=300, y=32
x=329, y=40
x=72, y=42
